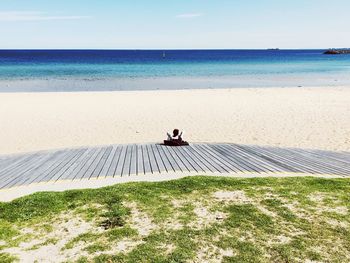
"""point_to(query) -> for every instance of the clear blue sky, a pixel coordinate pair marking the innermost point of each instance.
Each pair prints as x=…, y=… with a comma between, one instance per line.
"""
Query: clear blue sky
x=176, y=24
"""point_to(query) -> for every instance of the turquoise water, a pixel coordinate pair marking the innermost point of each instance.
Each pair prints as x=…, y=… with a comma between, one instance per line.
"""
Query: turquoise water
x=73, y=70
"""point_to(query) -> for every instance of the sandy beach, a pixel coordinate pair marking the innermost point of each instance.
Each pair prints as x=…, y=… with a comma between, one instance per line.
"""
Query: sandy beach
x=297, y=117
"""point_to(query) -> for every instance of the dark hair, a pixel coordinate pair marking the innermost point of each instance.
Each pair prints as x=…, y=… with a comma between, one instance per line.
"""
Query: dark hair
x=175, y=132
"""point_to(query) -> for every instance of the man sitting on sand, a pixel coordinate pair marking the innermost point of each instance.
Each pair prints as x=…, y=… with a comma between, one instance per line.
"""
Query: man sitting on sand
x=175, y=139
x=176, y=135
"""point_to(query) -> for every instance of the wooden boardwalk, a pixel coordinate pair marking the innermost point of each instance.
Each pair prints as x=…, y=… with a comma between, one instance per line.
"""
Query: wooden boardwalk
x=132, y=159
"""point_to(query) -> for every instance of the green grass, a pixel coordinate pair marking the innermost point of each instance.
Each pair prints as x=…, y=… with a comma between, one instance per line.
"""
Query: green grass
x=278, y=220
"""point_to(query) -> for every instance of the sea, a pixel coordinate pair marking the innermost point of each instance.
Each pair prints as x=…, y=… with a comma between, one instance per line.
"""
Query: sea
x=112, y=70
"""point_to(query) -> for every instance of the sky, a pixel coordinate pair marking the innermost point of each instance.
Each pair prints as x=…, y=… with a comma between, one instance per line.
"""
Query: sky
x=174, y=24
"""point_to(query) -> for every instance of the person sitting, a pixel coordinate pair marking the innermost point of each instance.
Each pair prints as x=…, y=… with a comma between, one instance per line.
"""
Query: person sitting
x=175, y=139
x=176, y=135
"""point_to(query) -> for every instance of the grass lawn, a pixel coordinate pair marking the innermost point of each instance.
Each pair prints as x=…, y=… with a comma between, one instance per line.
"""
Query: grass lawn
x=195, y=219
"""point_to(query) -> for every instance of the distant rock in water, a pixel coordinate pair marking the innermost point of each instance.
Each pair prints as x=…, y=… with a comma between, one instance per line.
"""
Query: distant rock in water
x=337, y=51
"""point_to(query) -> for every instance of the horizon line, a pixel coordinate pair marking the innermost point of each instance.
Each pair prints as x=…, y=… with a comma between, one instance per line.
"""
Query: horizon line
x=165, y=49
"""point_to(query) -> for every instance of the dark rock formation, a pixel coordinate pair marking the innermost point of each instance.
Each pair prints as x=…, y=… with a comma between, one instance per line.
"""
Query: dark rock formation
x=337, y=51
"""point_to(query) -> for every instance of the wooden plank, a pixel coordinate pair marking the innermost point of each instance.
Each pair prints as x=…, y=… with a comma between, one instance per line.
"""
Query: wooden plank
x=140, y=169
x=186, y=160
x=223, y=164
x=168, y=161
x=164, y=159
x=108, y=163
x=102, y=162
x=127, y=160
x=16, y=164
x=26, y=179
x=11, y=162
x=228, y=158
x=115, y=161
x=193, y=159
x=137, y=159
x=258, y=160
x=43, y=176
x=345, y=156
x=245, y=162
x=119, y=169
x=326, y=159
x=54, y=174
x=176, y=159
x=3, y=160
x=80, y=174
x=16, y=177
x=202, y=162
x=23, y=166
x=204, y=157
x=206, y=166
x=253, y=160
x=133, y=160
x=159, y=159
x=272, y=159
x=153, y=160
x=213, y=159
x=94, y=164
x=325, y=166
x=183, y=159
x=190, y=164
x=74, y=168
x=289, y=164
x=50, y=165
x=338, y=156
x=146, y=160
x=58, y=175
x=238, y=164
x=298, y=160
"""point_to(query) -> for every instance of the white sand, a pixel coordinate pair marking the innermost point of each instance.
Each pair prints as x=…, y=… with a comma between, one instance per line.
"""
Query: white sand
x=300, y=117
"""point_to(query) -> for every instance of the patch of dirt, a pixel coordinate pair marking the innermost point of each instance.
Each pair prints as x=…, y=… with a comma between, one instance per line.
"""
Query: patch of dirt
x=177, y=203
x=140, y=220
x=173, y=224
x=212, y=254
x=246, y=236
x=317, y=197
x=125, y=246
x=68, y=226
x=65, y=228
x=341, y=210
x=272, y=196
x=294, y=208
x=337, y=223
x=205, y=217
x=232, y=196
x=281, y=240
x=265, y=211
x=167, y=249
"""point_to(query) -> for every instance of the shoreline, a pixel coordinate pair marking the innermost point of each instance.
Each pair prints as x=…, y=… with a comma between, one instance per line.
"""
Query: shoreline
x=315, y=118
x=86, y=84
